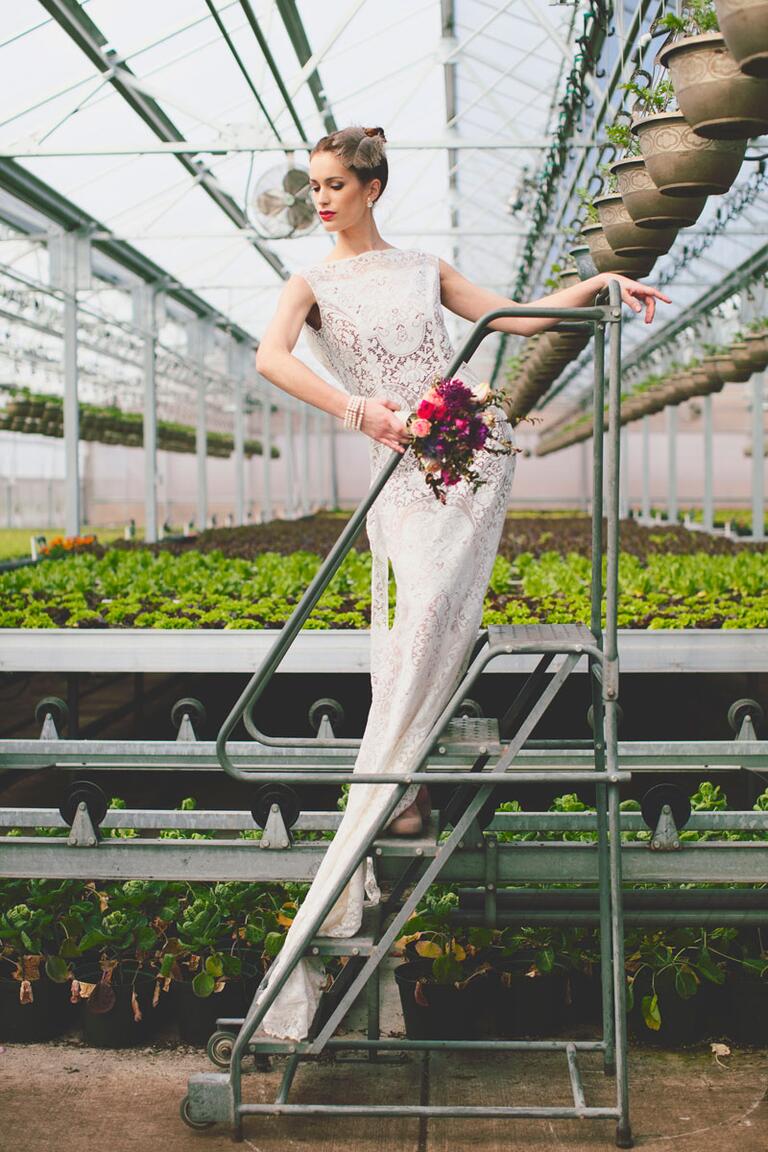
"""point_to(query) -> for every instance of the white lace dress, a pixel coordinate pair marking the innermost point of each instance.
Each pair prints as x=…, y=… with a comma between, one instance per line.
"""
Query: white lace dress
x=383, y=334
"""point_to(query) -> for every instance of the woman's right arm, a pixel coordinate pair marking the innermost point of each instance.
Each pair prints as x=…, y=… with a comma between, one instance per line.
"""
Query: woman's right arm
x=275, y=361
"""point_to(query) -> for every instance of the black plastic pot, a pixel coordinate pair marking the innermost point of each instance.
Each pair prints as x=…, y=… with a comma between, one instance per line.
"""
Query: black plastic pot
x=519, y=1005
x=747, y=1010
x=586, y=998
x=450, y=1013
x=703, y=1016
x=196, y=1015
x=49, y=1014
x=117, y=1028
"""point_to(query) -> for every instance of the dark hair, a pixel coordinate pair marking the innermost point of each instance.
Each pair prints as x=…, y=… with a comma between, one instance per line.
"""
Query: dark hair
x=361, y=150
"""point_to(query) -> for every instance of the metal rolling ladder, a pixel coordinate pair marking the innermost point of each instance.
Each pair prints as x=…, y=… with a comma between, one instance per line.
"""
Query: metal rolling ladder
x=490, y=749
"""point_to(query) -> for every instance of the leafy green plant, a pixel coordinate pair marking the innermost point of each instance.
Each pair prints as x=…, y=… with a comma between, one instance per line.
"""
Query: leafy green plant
x=697, y=16
x=650, y=99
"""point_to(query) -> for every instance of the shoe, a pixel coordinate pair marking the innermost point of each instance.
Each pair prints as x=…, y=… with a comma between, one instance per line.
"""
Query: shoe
x=424, y=803
x=408, y=823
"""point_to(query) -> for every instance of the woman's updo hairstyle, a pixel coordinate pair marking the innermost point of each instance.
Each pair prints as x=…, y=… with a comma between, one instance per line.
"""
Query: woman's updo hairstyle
x=361, y=150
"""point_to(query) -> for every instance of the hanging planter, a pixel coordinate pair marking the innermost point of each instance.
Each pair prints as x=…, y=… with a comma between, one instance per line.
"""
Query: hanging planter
x=648, y=207
x=625, y=237
x=606, y=260
x=757, y=348
x=730, y=371
x=744, y=25
x=582, y=257
x=716, y=98
x=680, y=162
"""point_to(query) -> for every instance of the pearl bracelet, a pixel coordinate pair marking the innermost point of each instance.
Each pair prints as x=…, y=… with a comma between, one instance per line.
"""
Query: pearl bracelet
x=354, y=413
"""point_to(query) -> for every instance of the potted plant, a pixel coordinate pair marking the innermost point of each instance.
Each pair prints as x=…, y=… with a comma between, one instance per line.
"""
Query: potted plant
x=756, y=339
x=744, y=24
x=680, y=162
x=200, y=966
x=625, y=237
x=114, y=975
x=438, y=985
x=648, y=207
x=525, y=981
x=674, y=985
x=33, y=993
x=717, y=99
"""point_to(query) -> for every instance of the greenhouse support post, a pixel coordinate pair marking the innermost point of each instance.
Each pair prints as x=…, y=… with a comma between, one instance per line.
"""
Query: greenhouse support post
x=758, y=457
x=672, y=464
x=708, y=516
x=334, y=495
x=304, y=425
x=646, y=496
x=144, y=319
x=236, y=352
x=266, y=460
x=199, y=337
x=290, y=500
x=70, y=269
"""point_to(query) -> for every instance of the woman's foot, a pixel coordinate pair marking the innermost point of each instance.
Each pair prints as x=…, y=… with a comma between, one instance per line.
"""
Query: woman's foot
x=411, y=820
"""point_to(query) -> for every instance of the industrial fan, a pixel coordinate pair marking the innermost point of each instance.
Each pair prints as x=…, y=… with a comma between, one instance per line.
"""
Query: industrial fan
x=282, y=202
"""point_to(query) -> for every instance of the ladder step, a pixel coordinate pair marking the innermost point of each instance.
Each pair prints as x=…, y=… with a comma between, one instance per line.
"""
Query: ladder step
x=503, y=634
x=359, y=945
x=468, y=734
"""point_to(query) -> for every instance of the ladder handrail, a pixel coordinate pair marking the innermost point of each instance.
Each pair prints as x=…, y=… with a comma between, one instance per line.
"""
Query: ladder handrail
x=251, y=693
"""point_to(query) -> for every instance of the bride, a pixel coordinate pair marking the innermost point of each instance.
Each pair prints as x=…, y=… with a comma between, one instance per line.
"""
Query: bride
x=373, y=315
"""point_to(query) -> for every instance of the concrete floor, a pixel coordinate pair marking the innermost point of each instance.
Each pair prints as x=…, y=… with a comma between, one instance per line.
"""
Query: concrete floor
x=62, y=1095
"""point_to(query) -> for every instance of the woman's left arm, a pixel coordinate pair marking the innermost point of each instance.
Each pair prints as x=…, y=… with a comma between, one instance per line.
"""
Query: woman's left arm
x=466, y=299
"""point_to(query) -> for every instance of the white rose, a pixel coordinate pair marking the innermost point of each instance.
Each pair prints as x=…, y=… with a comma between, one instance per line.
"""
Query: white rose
x=481, y=392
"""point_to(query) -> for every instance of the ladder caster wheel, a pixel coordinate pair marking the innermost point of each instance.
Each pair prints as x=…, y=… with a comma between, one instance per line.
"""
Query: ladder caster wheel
x=280, y=794
x=740, y=709
x=591, y=717
x=655, y=799
x=56, y=707
x=190, y=707
x=93, y=797
x=469, y=707
x=219, y=1048
x=198, y=1125
x=329, y=707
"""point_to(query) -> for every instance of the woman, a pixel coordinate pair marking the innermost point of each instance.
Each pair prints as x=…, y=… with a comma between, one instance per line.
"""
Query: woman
x=373, y=315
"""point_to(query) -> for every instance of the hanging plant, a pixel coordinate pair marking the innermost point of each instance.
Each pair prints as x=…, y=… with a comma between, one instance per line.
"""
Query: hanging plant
x=744, y=25
x=717, y=99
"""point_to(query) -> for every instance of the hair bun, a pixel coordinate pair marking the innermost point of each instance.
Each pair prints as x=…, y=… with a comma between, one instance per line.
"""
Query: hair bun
x=375, y=132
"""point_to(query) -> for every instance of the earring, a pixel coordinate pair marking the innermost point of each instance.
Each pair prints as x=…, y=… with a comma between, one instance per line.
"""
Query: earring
x=370, y=203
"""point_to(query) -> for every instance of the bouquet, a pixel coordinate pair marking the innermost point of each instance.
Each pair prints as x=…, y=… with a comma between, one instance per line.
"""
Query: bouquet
x=449, y=426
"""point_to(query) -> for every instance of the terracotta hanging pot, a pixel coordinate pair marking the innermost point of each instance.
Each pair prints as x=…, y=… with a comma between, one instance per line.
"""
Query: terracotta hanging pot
x=606, y=260
x=624, y=236
x=716, y=98
x=569, y=276
x=729, y=370
x=744, y=24
x=680, y=163
x=711, y=370
x=648, y=207
x=741, y=355
x=757, y=346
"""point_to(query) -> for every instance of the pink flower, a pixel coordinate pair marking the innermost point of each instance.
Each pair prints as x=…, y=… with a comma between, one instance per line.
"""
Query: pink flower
x=421, y=427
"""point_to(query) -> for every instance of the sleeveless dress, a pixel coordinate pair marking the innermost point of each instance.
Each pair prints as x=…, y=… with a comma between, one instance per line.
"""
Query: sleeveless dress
x=383, y=334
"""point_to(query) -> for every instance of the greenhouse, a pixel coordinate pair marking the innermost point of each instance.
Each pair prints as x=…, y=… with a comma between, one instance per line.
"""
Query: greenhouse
x=383, y=611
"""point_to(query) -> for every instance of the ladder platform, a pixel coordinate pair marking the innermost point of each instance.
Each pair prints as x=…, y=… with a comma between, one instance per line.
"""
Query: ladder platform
x=424, y=844
x=515, y=635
